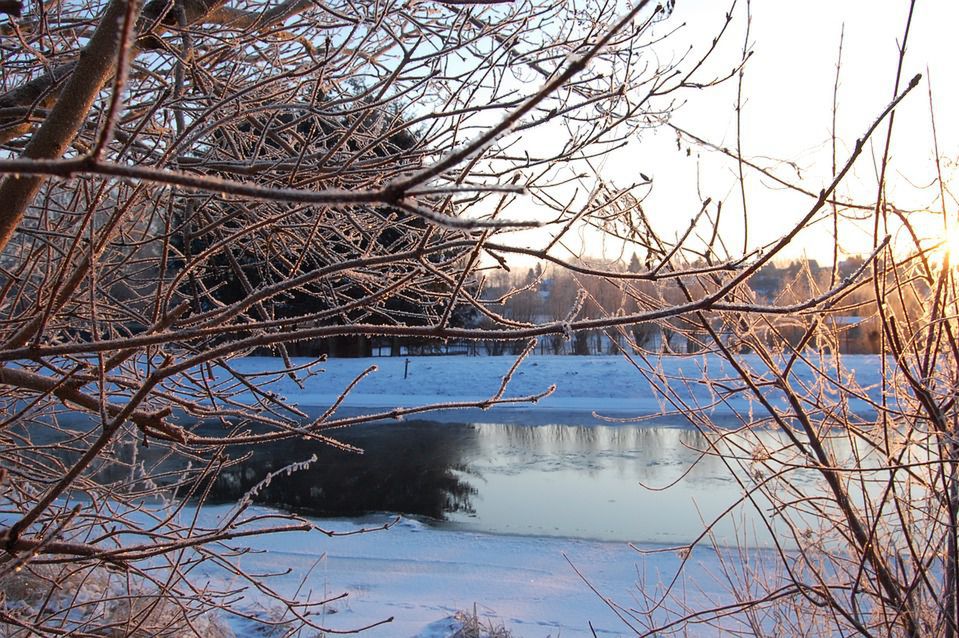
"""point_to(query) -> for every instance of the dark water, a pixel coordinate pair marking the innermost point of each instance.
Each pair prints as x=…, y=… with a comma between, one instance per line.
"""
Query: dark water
x=415, y=468
x=574, y=481
x=641, y=483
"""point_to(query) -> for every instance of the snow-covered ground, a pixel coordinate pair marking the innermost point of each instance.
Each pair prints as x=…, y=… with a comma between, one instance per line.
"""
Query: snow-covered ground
x=421, y=575
x=606, y=385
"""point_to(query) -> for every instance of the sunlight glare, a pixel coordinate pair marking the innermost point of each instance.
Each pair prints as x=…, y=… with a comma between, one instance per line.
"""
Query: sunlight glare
x=948, y=248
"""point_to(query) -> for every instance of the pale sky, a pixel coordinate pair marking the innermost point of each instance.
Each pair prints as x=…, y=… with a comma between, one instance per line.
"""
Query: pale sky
x=788, y=110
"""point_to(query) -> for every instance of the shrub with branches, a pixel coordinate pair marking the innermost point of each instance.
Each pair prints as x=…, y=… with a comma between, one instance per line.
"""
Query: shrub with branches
x=848, y=466
x=187, y=182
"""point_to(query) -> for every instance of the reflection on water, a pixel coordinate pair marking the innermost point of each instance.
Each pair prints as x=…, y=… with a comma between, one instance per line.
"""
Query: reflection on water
x=599, y=481
x=411, y=468
x=577, y=481
x=591, y=481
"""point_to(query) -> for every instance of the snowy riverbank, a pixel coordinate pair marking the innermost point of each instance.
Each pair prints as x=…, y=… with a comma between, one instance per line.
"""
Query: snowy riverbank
x=421, y=576
x=601, y=385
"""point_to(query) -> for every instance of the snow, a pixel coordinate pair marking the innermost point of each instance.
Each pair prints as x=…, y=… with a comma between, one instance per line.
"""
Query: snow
x=422, y=576
x=605, y=385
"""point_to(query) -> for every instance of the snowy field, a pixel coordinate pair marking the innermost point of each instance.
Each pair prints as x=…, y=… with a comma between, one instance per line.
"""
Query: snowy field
x=604, y=385
x=420, y=576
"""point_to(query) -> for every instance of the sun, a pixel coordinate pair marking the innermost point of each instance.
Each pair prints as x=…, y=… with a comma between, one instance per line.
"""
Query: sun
x=947, y=247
